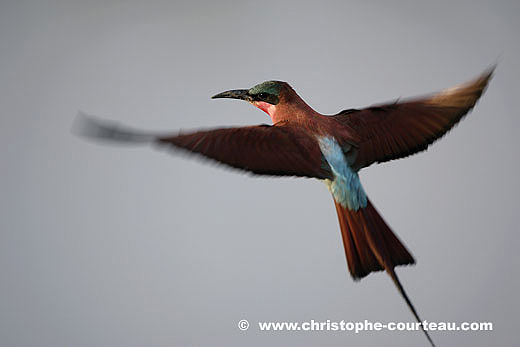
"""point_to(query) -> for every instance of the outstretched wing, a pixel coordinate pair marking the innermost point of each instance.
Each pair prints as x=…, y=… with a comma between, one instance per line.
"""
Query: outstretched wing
x=400, y=129
x=280, y=149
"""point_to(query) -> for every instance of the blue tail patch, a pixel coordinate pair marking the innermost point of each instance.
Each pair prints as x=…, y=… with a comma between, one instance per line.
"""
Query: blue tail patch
x=346, y=186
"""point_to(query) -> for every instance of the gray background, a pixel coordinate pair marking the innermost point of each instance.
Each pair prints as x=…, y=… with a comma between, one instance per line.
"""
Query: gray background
x=114, y=246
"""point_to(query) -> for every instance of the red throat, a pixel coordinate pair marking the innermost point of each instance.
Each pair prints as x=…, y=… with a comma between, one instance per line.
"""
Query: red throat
x=266, y=107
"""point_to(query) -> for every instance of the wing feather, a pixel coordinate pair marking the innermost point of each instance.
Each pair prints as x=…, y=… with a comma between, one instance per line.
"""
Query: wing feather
x=401, y=129
x=280, y=149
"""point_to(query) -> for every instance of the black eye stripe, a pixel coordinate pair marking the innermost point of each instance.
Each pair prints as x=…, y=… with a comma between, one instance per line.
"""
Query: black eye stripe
x=265, y=97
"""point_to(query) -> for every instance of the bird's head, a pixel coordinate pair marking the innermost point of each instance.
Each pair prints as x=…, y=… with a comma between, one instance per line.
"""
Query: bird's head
x=266, y=96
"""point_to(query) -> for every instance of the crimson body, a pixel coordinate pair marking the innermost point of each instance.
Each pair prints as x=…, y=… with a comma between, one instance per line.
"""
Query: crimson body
x=303, y=142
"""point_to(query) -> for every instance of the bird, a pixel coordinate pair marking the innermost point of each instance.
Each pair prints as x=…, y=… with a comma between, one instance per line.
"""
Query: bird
x=333, y=148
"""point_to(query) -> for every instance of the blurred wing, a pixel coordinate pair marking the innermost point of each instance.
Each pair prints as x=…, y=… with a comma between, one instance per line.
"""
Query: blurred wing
x=279, y=150
x=397, y=130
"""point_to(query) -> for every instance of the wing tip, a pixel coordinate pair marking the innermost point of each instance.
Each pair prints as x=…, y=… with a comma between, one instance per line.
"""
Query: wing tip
x=464, y=95
x=486, y=76
x=91, y=127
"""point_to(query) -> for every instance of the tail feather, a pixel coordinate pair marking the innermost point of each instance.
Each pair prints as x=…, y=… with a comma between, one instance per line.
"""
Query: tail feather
x=355, y=229
x=395, y=279
x=370, y=245
x=360, y=259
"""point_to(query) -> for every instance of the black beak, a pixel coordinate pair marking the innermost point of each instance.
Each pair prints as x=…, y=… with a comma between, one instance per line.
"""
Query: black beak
x=241, y=94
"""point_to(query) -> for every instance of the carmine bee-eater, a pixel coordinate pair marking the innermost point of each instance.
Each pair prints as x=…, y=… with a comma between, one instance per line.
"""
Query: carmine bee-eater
x=303, y=142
